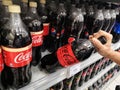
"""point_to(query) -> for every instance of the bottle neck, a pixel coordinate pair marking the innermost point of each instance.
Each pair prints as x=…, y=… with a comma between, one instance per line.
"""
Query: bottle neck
x=15, y=19
x=33, y=10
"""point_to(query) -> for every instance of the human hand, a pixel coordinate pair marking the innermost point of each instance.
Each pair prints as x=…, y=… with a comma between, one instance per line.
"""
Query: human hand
x=103, y=49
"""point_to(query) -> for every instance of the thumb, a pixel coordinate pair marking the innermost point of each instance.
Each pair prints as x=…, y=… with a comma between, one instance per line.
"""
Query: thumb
x=96, y=43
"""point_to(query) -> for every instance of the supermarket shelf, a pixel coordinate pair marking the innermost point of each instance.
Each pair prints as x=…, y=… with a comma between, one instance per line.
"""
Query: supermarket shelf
x=74, y=69
x=99, y=75
x=111, y=80
x=42, y=80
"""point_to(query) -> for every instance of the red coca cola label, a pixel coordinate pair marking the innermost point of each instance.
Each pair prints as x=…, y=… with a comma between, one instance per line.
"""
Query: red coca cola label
x=37, y=38
x=66, y=56
x=1, y=61
x=17, y=57
x=46, y=29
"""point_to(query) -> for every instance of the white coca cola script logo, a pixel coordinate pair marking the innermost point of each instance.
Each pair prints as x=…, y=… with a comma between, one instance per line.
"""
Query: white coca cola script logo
x=21, y=57
x=37, y=39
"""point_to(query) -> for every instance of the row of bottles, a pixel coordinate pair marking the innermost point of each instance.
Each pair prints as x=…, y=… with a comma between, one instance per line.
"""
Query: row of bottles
x=73, y=82
x=105, y=78
x=25, y=34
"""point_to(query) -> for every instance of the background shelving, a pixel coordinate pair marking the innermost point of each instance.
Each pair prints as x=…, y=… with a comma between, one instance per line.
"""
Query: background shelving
x=41, y=80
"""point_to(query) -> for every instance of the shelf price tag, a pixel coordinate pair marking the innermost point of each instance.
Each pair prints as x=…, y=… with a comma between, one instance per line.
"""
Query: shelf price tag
x=73, y=70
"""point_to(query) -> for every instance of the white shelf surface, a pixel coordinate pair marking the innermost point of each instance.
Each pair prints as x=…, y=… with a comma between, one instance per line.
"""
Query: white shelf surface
x=98, y=76
x=42, y=81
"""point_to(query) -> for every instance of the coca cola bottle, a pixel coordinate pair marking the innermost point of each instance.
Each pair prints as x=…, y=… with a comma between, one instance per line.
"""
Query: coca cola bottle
x=78, y=48
x=50, y=39
x=107, y=18
x=82, y=79
x=68, y=83
x=24, y=7
x=76, y=81
x=90, y=69
x=72, y=13
x=43, y=13
x=113, y=19
x=57, y=28
x=5, y=13
x=35, y=25
x=95, y=22
x=17, y=50
x=95, y=69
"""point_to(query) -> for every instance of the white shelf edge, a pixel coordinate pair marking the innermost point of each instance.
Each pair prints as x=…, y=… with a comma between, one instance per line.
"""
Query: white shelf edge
x=47, y=81
x=52, y=79
x=93, y=80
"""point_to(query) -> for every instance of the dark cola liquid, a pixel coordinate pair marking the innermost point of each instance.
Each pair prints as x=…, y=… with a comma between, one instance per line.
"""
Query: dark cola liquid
x=57, y=29
x=1, y=83
x=106, y=24
x=94, y=25
x=16, y=77
x=35, y=25
x=15, y=36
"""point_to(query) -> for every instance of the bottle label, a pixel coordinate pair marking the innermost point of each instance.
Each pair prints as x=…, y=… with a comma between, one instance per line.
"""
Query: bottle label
x=46, y=29
x=1, y=61
x=37, y=38
x=66, y=56
x=17, y=57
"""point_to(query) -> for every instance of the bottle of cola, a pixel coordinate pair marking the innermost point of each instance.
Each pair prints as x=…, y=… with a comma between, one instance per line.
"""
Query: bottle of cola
x=107, y=18
x=24, y=7
x=96, y=21
x=95, y=69
x=17, y=50
x=5, y=13
x=90, y=70
x=43, y=13
x=76, y=81
x=113, y=19
x=57, y=28
x=52, y=14
x=82, y=79
x=72, y=13
x=35, y=25
x=68, y=83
